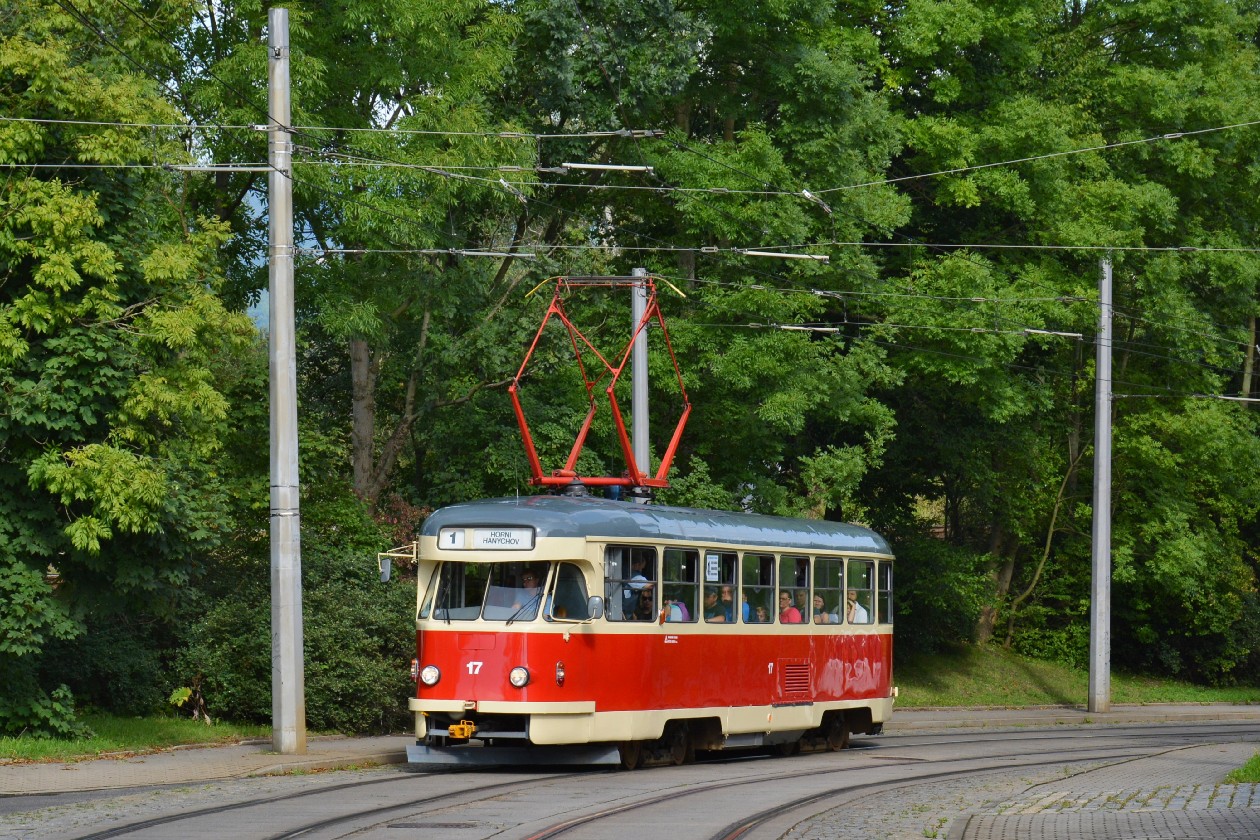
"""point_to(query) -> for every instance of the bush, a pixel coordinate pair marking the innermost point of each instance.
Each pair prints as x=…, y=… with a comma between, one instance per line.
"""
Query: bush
x=938, y=592
x=115, y=665
x=26, y=709
x=358, y=634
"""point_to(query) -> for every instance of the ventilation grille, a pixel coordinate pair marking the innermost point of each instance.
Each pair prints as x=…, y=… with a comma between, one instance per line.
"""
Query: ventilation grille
x=795, y=679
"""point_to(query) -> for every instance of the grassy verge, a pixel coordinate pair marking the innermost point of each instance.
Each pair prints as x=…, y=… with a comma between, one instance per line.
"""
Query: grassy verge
x=1247, y=774
x=126, y=735
x=973, y=676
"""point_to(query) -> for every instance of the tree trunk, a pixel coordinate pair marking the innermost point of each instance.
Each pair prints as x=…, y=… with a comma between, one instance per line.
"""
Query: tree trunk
x=1001, y=571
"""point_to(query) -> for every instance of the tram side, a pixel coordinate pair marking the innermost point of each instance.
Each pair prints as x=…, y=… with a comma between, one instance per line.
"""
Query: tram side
x=634, y=634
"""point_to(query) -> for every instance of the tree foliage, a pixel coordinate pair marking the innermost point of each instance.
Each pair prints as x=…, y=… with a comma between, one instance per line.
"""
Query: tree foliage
x=112, y=342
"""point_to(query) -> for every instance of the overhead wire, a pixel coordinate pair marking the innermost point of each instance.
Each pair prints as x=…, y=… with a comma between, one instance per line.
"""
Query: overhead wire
x=1176, y=135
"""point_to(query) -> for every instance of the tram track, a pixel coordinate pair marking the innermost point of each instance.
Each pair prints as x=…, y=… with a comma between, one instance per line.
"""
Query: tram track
x=448, y=797
x=467, y=794
x=744, y=827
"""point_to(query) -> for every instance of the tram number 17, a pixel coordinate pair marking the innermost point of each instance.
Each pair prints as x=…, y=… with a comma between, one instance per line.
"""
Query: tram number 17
x=474, y=667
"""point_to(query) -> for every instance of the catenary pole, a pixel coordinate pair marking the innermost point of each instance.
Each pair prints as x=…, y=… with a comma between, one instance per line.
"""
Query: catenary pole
x=1100, y=589
x=639, y=380
x=288, y=696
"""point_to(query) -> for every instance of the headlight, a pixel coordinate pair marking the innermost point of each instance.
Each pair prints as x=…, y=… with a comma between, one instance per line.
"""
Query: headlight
x=429, y=675
x=519, y=677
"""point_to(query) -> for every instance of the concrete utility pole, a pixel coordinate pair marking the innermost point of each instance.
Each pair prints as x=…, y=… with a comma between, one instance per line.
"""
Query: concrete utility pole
x=639, y=380
x=288, y=693
x=1100, y=590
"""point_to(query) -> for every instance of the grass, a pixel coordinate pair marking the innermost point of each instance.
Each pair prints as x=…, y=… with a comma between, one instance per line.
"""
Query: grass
x=975, y=676
x=1248, y=773
x=126, y=735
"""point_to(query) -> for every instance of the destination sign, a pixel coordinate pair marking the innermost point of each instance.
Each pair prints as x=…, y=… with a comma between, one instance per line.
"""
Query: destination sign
x=503, y=539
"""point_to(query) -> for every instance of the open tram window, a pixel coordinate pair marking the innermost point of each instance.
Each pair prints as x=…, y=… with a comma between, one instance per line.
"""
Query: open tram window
x=793, y=603
x=718, y=597
x=883, y=607
x=679, y=583
x=828, y=590
x=757, y=577
x=860, y=592
x=630, y=582
x=567, y=601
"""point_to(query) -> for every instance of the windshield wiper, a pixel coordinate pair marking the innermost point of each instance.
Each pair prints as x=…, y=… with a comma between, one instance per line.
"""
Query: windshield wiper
x=525, y=606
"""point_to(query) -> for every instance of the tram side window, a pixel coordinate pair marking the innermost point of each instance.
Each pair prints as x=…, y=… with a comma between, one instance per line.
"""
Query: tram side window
x=860, y=593
x=884, y=613
x=718, y=605
x=679, y=583
x=794, y=607
x=757, y=577
x=568, y=598
x=460, y=591
x=630, y=582
x=828, y=590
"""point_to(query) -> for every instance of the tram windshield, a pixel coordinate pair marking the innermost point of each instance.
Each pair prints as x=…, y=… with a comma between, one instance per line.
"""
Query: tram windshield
x=507, y=592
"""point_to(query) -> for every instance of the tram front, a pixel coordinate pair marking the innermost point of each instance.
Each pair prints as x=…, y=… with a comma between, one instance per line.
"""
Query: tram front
x=503, y=640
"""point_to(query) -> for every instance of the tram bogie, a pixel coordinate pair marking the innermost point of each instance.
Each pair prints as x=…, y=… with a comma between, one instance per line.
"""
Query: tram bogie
x=593, y=631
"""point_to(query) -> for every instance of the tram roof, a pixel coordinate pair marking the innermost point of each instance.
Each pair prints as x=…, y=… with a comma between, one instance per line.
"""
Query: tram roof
x=591, y=516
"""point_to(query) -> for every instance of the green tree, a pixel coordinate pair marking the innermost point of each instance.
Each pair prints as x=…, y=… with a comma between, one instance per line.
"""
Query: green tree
x=112, y=344
x=999, y=417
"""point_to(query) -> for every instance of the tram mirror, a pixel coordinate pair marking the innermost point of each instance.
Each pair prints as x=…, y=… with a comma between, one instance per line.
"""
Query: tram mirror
x=595, y=607
x=385, y=564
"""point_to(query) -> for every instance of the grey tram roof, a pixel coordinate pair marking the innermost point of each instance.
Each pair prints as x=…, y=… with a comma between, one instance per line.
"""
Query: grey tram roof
x=589, y=516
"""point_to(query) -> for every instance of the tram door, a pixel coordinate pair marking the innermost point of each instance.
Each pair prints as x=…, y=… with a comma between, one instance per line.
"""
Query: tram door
x=757, y=586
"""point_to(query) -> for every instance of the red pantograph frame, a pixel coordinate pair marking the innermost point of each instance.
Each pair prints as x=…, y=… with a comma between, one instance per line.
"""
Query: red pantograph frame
x=634, y=476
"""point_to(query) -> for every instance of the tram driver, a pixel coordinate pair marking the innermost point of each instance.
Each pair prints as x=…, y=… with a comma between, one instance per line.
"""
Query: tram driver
x=530, y=588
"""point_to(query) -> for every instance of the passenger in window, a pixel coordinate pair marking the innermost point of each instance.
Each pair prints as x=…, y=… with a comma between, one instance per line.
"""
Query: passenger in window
x=802, y=571
x=820, y=611
x=728, y=603
x=678, y=611
x=638, y=581
x=802, y=602
x=788, y=614
x=763, y=615
x=855, y=613
x=643, y=609
x=713, y=611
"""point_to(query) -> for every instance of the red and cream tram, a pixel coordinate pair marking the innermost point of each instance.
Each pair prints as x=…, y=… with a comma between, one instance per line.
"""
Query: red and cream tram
x=585, y=630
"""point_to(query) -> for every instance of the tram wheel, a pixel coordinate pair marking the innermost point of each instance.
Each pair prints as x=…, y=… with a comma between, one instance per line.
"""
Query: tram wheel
x=838, y=734
x=679, y=744
x=788, y=748
x=631, y=754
